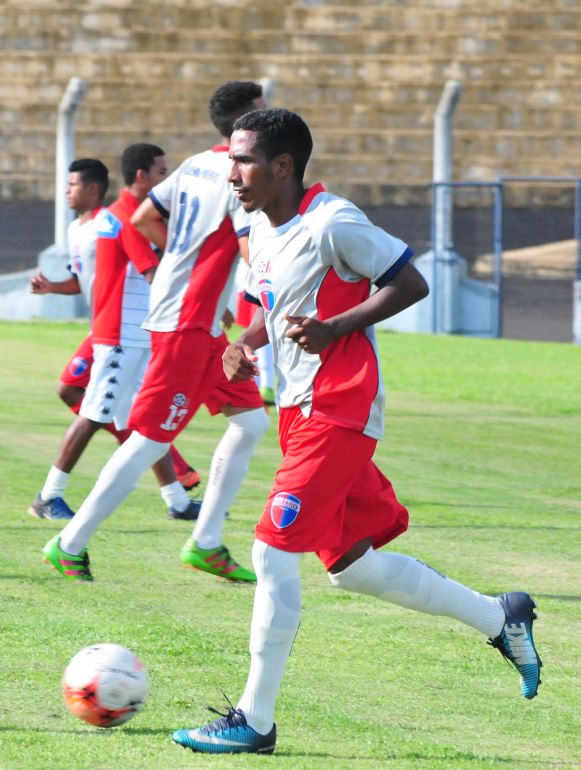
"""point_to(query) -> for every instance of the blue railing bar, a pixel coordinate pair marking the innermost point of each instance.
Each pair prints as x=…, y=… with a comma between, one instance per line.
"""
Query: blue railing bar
x=466, y=184
x=572, y=179
x=498, y=246
x=577, y=224
x=434, y=286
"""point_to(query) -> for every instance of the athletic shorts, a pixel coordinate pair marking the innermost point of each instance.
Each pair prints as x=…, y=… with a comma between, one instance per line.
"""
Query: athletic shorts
x=116, y=375
x=185, y=372
x=78, y=370
x=327, y=493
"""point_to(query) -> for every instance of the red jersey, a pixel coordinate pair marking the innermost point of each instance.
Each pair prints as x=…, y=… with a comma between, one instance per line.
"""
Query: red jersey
x=120, y=292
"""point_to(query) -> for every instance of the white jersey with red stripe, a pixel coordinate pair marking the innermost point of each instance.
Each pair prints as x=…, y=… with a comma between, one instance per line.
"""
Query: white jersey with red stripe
x=319, y=264
x=205, y=221
x=121, y=292
x=82, y=244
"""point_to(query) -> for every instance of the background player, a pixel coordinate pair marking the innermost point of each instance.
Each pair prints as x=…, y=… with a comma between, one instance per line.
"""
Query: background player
x=206, y=229
x=87, y=185
x=313, y=258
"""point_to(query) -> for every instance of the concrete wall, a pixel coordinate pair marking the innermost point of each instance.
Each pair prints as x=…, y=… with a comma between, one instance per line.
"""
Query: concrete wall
x=366, y=76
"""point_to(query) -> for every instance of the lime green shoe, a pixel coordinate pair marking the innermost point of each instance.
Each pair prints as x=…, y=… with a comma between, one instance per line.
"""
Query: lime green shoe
x=216, y=561
x=72, y=567
x=267, y=396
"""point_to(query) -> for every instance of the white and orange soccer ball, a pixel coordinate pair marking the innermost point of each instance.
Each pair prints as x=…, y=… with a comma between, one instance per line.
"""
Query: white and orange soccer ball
x=105, y=685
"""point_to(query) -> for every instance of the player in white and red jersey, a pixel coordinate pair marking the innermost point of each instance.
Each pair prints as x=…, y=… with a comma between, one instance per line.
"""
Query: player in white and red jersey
x=314, y=258
x=206, y=228
x=93, y=393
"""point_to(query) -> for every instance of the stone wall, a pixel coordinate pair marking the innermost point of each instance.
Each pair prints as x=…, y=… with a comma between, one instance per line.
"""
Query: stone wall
x=366, y=75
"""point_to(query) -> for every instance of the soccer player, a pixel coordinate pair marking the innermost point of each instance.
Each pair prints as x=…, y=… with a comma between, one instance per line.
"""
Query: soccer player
x=313, y=259
x=111, y=311
x=206, y=229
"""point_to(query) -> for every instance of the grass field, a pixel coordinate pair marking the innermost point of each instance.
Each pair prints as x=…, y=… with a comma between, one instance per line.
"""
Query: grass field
x=482, y=445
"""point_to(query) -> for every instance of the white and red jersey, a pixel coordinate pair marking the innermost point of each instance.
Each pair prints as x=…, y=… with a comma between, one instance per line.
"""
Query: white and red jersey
x=120, y=292
x=205, y=221
x=82, y=243
x=319, y=264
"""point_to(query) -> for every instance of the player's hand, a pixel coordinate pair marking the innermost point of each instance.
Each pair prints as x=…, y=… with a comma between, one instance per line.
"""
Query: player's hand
x=227, y=319
x=39, y=284
x=310, y=334
x=239, y=362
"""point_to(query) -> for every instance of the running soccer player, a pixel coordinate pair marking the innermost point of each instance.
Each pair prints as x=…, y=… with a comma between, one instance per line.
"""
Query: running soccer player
x=206, y=229
x=87, y=185
x=313, y=259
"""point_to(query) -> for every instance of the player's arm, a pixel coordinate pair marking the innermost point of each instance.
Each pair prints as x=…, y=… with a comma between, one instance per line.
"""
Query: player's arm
x=151, y=223
x=405, y=289
x=239, y=358
x=39, y=284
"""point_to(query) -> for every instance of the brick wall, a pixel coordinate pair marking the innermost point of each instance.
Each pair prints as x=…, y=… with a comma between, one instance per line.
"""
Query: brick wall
x=366, y=76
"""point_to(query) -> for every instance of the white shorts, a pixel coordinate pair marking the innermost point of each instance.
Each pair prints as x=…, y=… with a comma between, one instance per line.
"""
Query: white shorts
x=116, y=377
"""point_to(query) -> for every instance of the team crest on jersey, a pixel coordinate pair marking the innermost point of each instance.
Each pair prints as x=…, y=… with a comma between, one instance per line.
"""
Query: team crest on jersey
x=78, y=366
x=284, y=509
x=109, y=225
x=266, y=293
x=180, y=399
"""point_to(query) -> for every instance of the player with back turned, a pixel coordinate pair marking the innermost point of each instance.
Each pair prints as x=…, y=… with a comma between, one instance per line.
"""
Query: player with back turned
x=313, y=260
x=196, y=219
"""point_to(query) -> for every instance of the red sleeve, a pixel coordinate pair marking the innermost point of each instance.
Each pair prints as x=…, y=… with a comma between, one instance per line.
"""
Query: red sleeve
x=138, y=248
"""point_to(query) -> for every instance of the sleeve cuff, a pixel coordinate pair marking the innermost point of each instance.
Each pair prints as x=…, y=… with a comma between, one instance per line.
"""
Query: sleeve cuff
x=163, y=211
x=249, y=298
x=244, y=231
x=390, y=274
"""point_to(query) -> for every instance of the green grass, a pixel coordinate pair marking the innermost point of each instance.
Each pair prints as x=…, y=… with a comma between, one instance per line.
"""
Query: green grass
x=482, y=445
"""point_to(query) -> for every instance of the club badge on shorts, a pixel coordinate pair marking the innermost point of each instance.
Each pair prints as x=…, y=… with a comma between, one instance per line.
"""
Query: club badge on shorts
x=284, y=509
x=78, y=366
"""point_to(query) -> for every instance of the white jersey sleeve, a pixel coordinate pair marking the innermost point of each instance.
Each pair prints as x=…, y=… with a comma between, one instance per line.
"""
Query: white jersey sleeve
x=355, y=247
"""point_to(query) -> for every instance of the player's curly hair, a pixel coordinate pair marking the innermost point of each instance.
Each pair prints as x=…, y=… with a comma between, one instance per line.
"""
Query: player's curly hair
x=138, y=156
x=280, y=131
x=92, y=170
x=230, y=101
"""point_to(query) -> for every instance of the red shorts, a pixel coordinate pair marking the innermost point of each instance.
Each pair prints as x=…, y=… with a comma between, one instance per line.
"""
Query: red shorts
x=184, y=372
x=245, y=310
x=327, y=493
x=78, y=370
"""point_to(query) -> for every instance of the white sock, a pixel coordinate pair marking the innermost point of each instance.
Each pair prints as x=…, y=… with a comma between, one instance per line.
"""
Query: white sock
x=265, y=365
x=410, y=583
x=229, y=465
x=175, y=496
x=117, y=479
x=55, y=484
x=275, y=621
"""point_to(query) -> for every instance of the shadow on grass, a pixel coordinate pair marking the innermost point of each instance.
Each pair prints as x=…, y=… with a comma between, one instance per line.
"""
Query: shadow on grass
x=88, y=730
x=542, y=527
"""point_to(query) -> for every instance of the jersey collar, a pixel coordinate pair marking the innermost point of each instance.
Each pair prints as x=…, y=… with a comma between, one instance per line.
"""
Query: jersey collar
x=94, y=212
x=309, y=196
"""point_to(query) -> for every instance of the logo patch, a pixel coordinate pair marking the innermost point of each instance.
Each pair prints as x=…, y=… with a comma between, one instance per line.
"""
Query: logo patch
x=109, y=225
x=179, y=399
x=266, y=293
x=78, y=366
x=284, y=509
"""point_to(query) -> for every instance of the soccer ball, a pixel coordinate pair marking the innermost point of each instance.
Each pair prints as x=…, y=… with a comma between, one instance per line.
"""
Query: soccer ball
x=105, y=685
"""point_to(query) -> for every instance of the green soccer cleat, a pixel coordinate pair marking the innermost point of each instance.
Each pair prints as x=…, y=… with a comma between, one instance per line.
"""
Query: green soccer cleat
x=70, y=566
x=267, y=396
x=216, y=561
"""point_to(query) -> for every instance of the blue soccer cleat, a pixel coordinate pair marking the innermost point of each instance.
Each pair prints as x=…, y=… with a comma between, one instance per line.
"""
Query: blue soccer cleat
x=228, y=735
x=50, y=509
x=191, y=513
x=515, y=641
